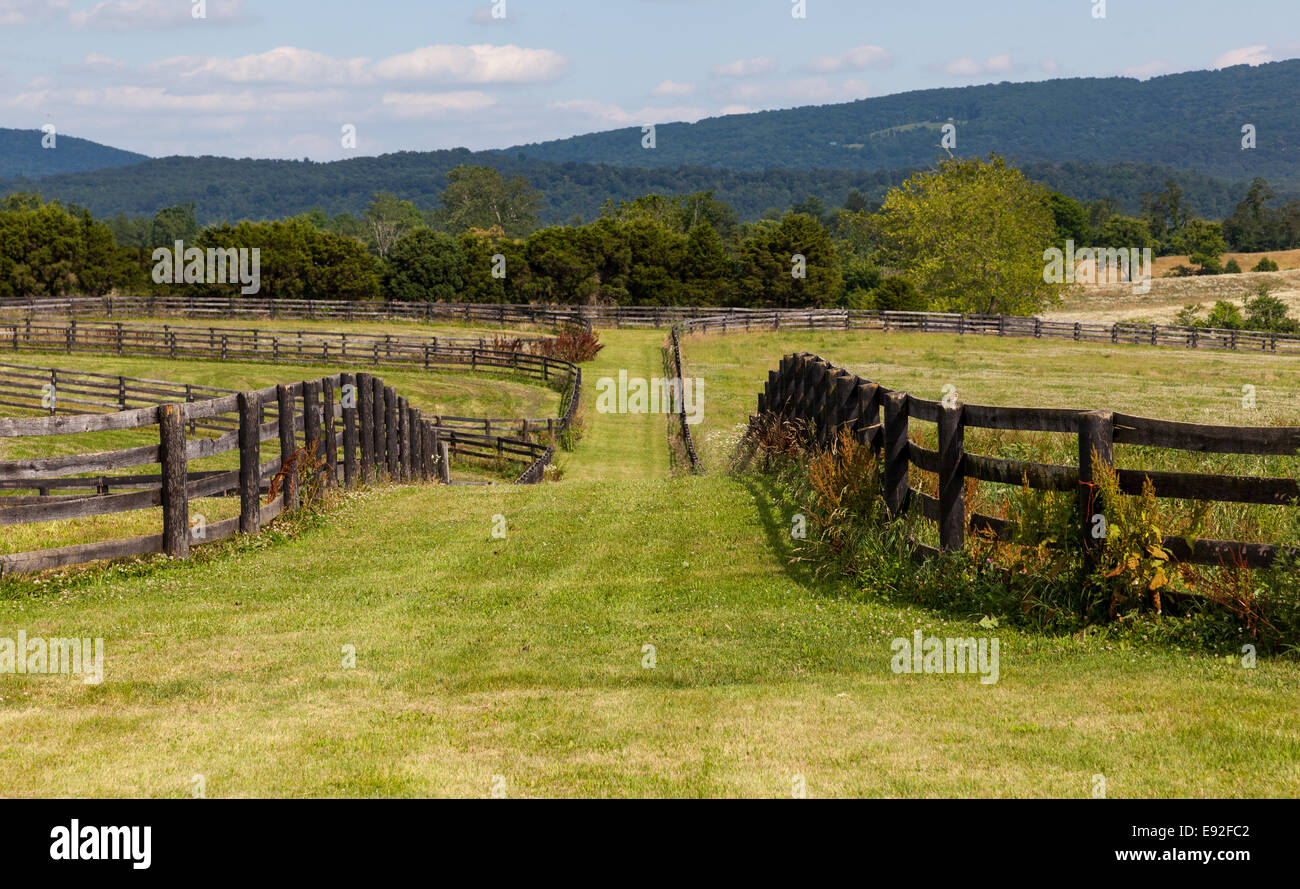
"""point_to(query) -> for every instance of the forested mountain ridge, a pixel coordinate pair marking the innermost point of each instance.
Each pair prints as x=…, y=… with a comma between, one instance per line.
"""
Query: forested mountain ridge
x=1088, y=138
x=224, y=189
x=1191, y=121
x=22, y=154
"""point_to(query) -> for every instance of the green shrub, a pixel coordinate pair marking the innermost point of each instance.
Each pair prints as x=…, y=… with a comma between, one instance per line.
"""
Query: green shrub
x=898, y=294
x=1224, y=316
x=425, y=266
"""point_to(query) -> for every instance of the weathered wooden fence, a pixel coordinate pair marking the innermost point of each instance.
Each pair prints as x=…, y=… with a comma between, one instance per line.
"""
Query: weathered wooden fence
x=308, y=347
x=693, y=319
x=251, y=307
x=811, y=390
x=736, y=321
x=276, y=346
x=356, y=428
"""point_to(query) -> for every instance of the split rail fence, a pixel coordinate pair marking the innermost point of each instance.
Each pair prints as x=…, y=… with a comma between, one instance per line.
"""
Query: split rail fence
x=811, y=390
x=693, y=319
x=355, y=427
x=275, y=346
x=311, y=309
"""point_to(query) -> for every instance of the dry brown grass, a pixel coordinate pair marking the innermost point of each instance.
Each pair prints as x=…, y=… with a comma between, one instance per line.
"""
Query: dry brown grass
x=1117, y=302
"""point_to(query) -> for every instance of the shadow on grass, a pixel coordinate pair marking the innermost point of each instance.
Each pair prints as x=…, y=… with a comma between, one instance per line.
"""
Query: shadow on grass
x=768, y=499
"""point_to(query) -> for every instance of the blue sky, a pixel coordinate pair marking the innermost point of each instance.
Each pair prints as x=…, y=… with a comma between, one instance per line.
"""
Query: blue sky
x=281, y=78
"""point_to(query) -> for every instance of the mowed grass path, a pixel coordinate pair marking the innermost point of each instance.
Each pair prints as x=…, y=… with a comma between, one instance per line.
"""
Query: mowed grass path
x=523, y=658
x=621, y=446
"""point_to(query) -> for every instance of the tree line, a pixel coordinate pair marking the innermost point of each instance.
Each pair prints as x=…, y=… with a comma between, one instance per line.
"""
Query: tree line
x=968, y=235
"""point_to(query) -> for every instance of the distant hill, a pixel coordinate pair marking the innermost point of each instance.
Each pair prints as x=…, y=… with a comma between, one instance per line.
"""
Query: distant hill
x=1190, y=121
x=224, y=189
x=21, y=154
x=1089, y=138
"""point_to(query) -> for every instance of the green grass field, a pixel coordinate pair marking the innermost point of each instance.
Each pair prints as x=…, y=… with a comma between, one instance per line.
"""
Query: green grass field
x=524, y=657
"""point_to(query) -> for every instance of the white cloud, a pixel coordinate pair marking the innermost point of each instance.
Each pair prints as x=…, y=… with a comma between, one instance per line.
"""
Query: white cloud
x=1246, y=55
x=152, y=100
x=746, y=67
x=999, y=64
x=857, y=59
x=481, y=63
x=94, y=63
x=673, y=88
x=284, y=64
x=1049, y=66
x=1145, y=70
x=436, y=104
x=21, y=12
x=969, y=67
x=131, y=15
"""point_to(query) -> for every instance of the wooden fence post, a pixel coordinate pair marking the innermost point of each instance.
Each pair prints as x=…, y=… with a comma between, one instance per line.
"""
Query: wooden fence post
x=820, y=389
x=391, y=429
x=250, y=462
x=952, y=479
x=444, y=463
x=175, y=496
x=349, y=400
x=416, y=425
x=366, y=422
x=311, y=419
x=330, y=439
x=381, y=433
x=897, y=457
x=430, y=455
x=1096, y=447
x=866, y=426
x=288, y=444
x=845, y=404
x=403, y=439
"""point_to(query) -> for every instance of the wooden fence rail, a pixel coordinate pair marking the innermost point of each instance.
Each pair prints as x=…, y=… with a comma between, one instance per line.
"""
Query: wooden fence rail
x=247, y=307
x=827, y=399
x=381, y=437
x=79, y=392
x=691, y=319
x=736, y=321
x=392, y=350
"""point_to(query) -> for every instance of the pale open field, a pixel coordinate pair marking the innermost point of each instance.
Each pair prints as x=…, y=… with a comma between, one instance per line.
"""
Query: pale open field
x=1117, y=302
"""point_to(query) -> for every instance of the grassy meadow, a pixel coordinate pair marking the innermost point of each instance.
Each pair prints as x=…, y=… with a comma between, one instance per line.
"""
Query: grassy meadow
x=524, y=663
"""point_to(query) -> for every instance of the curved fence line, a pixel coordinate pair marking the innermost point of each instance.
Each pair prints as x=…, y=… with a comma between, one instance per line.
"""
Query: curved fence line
x=693, y=319
x=390, y=350
x=369, y=433
x=827, y=399
x=59, y=391
x=732, y=321
x=248, y=307
x=214, y=343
